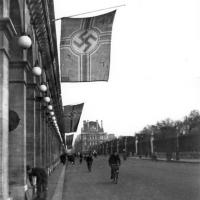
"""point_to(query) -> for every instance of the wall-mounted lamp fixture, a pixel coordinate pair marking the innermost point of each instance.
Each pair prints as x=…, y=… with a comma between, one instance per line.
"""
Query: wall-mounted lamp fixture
x=51, y=113
x=47, y=99
x=24, y=41
x=37, y=71
x=43, y=87
x=50, y=107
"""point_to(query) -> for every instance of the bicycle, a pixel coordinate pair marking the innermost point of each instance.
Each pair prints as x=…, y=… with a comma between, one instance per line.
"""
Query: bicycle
x=115, y=168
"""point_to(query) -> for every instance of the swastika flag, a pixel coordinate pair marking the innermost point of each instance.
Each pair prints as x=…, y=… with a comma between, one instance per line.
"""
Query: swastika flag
x=72, y=115
x=69, y=140
x=85, y=48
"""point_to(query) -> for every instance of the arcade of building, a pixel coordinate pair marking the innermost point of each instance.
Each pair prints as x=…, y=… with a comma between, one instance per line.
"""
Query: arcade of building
x=31, y=126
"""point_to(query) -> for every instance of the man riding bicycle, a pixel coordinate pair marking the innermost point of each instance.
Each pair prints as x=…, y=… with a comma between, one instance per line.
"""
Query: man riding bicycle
x=114, y=160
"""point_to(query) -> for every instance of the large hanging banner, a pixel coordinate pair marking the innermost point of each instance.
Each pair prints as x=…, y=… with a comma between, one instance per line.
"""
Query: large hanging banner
x=72, y=115
x=85, y=48
x=69, y=140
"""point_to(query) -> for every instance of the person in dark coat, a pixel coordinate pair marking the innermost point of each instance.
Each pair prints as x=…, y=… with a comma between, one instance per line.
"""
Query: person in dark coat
x=114, y=160
x=89, y=161
x=124, y=154
x=41, y=180
x=80, y=158
x=63, y=158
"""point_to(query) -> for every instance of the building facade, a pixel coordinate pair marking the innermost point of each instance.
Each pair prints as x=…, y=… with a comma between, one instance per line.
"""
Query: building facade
x=30, y=128
x=92, y=134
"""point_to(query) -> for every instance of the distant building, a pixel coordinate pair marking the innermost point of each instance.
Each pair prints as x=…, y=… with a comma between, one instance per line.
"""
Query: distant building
x=111, y=137
x=92, y=134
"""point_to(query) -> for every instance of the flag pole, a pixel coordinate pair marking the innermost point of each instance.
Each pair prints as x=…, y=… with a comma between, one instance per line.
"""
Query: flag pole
x=89, y=12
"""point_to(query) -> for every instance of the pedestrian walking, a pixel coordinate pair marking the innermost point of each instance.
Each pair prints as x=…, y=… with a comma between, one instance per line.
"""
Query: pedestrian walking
x=89, y=161
x=124, y=154
x=80, y=158
x=63, y=158
x=113, y=161
x=95, y=153
x=71, y=159
x=41, y=181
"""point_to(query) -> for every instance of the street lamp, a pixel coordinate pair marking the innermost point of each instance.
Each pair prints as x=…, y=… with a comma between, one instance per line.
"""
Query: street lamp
x=177, y=143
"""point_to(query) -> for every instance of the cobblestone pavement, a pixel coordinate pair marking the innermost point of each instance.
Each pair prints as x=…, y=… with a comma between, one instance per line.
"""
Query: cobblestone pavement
x=138, y=180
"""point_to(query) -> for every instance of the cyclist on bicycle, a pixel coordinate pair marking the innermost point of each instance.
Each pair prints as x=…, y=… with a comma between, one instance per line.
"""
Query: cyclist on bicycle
x=114, y=160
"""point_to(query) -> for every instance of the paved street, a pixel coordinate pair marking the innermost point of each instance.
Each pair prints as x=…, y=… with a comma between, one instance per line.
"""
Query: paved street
x=138, y=180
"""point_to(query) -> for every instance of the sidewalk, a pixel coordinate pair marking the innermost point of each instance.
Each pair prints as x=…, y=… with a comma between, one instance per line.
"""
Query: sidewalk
x=55, y=183
x=192, y=161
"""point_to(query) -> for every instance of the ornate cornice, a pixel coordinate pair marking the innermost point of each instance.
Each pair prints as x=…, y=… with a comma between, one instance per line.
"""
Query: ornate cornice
x=7, y=26
x=38, y=20
x=42, y=15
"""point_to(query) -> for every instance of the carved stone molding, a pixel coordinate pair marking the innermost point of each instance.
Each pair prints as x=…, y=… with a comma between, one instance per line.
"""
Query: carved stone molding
x=7, y=26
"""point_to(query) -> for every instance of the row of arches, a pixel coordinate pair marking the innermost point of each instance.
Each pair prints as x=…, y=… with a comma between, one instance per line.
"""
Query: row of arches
x=32, y=139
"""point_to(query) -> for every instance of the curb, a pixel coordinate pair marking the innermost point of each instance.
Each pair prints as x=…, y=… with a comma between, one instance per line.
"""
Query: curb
x=59, y=187
x=171, y=161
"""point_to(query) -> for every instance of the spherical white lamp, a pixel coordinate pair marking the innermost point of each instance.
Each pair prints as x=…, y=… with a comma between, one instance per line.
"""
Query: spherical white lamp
x=24, y=41
x=43, y=87
x=37, y=71
x=50, y=107
x=54, y=119
x=47, y=99
x=51, y=113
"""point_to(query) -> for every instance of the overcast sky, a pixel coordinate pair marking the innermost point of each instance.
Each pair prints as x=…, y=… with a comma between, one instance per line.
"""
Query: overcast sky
x=155, y=64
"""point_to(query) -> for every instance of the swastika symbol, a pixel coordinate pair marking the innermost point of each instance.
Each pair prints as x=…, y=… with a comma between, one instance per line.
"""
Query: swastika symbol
x=85, y=41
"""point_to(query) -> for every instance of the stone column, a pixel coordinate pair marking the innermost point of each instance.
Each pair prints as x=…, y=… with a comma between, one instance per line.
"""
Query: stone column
x=136, y=145
x=48, y=145
x=151, y=144
x=17, y=137
x=50, y=142
x=125, y=144
x=38, y=132
x=41, y=133
x=6, y=33
x=44, y=134
x=30, y=124
x=118, y=145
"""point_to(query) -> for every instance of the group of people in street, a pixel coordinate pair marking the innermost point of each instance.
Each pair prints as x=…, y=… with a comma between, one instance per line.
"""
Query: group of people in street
x=113, y=161
x=38, y=177
x=67, y=157
x=71, y=159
